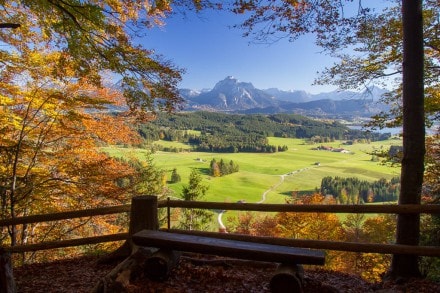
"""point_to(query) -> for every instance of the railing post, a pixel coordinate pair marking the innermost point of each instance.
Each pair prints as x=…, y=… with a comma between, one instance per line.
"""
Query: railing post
x=168, y=214
x=143, y=214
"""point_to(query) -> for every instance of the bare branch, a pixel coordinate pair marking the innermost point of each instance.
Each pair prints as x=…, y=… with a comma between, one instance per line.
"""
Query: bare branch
x=10, y=25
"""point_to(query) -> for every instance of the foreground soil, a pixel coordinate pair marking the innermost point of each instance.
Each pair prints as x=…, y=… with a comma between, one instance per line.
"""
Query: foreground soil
x=81, y=275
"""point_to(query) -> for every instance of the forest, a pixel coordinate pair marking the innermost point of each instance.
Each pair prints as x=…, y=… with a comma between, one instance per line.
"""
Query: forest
x=232, y=133
x=354, y=191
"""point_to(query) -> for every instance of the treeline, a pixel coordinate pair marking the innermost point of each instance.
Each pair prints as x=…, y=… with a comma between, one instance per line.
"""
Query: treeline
x=355, y=191
x=219, y=132
x=233, y=143
x=218, y=169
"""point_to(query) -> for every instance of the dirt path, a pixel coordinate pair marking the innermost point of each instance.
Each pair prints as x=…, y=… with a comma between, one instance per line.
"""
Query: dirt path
x=222, y=227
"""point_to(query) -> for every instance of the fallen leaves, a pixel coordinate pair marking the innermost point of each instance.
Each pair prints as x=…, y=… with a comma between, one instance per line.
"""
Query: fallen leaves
x=81, y=274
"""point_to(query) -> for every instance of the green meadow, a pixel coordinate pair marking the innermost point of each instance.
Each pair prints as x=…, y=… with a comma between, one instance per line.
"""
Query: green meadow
x=263, y=172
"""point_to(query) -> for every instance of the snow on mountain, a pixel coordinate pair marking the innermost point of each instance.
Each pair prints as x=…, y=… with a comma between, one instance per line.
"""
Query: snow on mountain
x=230, y=94
x=289, y=96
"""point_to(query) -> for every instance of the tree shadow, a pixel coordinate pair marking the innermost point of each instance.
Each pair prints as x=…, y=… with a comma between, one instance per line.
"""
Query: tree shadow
x=203, y=171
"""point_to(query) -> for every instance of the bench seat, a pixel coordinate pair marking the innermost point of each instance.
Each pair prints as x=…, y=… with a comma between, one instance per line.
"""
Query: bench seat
x=226, y=247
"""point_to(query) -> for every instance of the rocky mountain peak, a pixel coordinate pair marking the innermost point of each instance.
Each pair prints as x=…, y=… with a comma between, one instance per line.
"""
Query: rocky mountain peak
x=230, y=94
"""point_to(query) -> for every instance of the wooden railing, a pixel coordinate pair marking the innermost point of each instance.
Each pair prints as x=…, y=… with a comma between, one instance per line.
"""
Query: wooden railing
x=65, y=216
x=315, y=244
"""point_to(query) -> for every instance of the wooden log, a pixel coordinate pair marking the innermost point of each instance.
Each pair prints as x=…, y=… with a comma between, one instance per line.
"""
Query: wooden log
x=7, y=283
x=288, y=278
x=160, y=264
x=119, y=278
x=143, y=215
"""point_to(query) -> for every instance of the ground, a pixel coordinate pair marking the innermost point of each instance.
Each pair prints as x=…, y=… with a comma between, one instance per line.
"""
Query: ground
x=81, y=274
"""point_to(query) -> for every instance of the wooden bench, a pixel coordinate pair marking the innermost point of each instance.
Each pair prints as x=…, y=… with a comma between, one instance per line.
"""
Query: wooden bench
x=226, y=247
x=290, y=258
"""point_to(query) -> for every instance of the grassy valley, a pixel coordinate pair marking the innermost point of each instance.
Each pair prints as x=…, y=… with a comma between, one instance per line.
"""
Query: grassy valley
x=260, y=172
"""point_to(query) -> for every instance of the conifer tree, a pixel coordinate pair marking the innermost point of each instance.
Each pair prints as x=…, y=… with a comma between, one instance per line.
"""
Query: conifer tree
x=195, y=219
x=175, y=177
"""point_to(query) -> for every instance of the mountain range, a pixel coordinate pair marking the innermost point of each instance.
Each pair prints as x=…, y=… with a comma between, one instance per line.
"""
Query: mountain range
x=232, y=95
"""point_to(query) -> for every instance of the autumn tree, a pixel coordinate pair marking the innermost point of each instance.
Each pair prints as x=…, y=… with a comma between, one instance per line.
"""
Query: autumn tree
x=393, y=42
x=96, y=37
x=195, y=219
x=215, y=169
x=55, y=60
x=48, y=145
x=253, y=223
x=430, y=227
x=379, y=229
x=221, y=168
x=431, y=194
x=316, y=226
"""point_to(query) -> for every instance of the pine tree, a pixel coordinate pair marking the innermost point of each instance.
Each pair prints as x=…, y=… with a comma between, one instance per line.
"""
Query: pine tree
x=194, y=219
x=175, y=177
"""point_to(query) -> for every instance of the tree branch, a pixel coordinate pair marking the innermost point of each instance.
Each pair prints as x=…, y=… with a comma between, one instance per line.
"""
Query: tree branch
x=9, y=25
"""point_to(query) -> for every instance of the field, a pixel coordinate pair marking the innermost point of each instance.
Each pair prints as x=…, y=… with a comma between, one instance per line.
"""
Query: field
x=275, y=175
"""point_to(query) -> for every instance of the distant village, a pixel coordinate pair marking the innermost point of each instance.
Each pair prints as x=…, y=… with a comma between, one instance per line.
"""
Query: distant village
x=331, y=149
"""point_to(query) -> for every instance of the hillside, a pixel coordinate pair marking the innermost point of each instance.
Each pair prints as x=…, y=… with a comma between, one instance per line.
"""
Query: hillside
x=232, y=133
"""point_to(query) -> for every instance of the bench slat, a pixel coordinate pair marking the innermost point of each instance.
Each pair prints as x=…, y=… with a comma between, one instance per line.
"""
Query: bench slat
x=226, y=247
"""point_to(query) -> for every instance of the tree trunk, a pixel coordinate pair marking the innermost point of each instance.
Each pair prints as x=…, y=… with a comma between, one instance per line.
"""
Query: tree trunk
x=143, y=215
x=7, y=283
x=408, y=225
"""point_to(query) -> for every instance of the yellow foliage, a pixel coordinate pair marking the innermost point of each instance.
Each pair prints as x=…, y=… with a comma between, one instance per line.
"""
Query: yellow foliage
x=49, y=155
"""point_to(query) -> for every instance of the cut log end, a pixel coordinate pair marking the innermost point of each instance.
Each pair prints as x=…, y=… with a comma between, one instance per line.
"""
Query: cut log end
x=160, y=264
x=287, y=278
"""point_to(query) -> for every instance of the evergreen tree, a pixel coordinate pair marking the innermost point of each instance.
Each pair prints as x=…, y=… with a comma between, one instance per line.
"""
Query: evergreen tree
x=175, y=177
x=224, y=168
x=195, y=219
x=233, y=167
x=149, y=180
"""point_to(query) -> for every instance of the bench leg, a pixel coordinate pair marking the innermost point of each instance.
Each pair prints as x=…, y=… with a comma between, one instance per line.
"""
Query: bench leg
x=287, y=278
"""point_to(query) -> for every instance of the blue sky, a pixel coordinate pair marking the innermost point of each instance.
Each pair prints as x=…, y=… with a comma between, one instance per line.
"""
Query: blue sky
x=210, y=50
